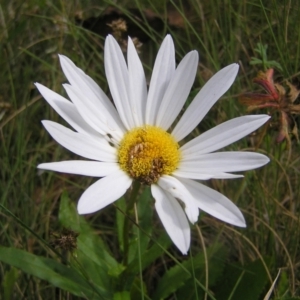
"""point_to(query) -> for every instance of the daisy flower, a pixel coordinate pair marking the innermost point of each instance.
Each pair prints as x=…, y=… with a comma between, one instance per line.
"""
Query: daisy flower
x=136, y=138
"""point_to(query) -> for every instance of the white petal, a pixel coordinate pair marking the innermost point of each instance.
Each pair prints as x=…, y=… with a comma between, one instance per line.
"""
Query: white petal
x=163, y=71
x=81, y=167
x=118, y=80
x=178, y=190
x=138, y=86
x=214, y=203
x=227, y=176
x=67, y=110
x=204, y=100
x=188, y=174
x=223, y=135
x=78, y=78
x=92, y=114
x=178, y=90
x=93, y=92
x=81, y=144
x=173, y=218
x=220, y=162
x=103, y=192
x=203, y=176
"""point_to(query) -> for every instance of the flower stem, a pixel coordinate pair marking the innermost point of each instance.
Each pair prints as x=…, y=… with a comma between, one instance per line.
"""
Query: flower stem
x=139, y=250
x=129, y=210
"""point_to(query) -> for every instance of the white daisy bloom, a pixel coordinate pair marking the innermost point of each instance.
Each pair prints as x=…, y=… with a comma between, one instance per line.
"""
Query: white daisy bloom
x=130, y=141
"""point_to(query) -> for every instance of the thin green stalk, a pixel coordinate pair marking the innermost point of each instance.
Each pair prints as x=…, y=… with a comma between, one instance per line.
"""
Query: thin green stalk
x=133, y=197
x=205, y=259
x=236, y=285
x=194, y=277
x=139, y=251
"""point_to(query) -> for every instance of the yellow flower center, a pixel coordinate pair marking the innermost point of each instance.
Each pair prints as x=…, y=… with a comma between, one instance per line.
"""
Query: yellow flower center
x=148, y=152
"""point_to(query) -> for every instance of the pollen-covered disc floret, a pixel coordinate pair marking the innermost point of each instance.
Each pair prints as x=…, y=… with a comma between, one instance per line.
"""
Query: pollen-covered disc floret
x=148, y=152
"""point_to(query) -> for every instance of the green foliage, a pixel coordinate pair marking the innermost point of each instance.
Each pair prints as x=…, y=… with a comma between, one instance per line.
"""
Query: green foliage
x=179, y=278
x=141, y=234
x=243, y=282
x=283, y=284
x=138, y=289
x=120, y=219
x=91, y=248
x=52, y=271
x=266, y=64
x=153, y=253
x=283, y=289
x=8, y=282
x=122, y=296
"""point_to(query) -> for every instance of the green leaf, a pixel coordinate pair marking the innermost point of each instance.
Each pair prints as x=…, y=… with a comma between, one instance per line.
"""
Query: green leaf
x=178, y=275
x=255, y=61
x=120, y=217
x=142, y=233
x=273, y=63
x=154, y=252
x=217, y=256
x=9, y=279
x=61, y=276
x=89, y=244
x=125, y=295
x=283, y=283
x=243, y=282
x=138, y=289
x=266, y=64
